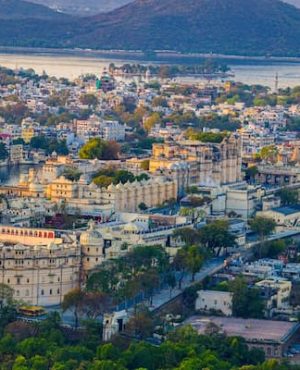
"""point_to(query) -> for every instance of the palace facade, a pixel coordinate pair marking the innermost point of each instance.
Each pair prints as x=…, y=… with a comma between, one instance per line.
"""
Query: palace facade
x=199, y=163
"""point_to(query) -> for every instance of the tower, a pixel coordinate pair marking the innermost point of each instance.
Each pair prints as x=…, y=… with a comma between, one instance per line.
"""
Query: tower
x=276, y=83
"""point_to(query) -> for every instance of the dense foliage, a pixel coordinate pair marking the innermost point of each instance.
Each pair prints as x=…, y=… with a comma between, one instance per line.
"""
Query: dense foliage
x=97, y=148
x=46, y=346
x=107, y=176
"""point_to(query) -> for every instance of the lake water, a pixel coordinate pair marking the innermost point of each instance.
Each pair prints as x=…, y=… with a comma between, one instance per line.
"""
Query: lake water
x=72, y=66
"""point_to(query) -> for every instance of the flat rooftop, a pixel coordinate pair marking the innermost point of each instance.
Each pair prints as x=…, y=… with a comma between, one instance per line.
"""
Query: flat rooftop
x=250, y=329
x=287, y=210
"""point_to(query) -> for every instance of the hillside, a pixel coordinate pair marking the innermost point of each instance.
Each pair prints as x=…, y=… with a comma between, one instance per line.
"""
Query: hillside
x=231, y=26
x=16, y=9
x=82, y=7
x=293, y=2
x=245, y=27
x=27, y=24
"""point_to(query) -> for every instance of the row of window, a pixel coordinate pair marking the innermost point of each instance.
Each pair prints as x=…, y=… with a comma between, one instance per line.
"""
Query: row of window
x=19, y=281
x=40, y=234
x=27, y=293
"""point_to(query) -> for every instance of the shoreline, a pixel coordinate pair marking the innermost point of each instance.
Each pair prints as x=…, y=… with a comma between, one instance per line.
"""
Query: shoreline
x=160, y=56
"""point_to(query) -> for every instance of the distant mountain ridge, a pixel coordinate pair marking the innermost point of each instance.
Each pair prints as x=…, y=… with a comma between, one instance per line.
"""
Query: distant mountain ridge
x=83, y=7
x=219, y=26
x=16, y=9
x=241, y=27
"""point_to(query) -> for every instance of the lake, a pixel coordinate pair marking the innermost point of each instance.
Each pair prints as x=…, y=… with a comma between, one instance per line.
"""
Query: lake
x=73, y=66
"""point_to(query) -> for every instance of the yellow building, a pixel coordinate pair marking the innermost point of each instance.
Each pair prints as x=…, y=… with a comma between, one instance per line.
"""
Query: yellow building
x=209, y=163
x=27, y=134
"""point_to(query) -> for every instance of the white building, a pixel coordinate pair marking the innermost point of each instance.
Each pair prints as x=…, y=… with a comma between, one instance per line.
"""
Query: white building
x=211, y=300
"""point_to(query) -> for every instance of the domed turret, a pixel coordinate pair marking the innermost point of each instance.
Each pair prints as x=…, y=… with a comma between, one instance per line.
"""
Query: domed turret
x=91, y=237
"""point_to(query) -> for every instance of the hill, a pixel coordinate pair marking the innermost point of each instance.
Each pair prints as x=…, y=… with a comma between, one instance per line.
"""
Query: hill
x=82, y=7
x=17, y=9
x=32, y=25
x=244, y=27
x=293, y=2
x=231, y=26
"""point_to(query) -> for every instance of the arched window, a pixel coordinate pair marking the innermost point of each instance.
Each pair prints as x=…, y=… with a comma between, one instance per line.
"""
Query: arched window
x=50, y=291
x=42, y=292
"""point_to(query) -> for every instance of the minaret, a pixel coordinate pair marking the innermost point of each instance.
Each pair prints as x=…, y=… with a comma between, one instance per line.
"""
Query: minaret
x=276, y=83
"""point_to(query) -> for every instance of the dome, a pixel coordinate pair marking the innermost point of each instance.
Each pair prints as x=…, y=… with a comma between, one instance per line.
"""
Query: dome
x=91, y=236
x=130, y=228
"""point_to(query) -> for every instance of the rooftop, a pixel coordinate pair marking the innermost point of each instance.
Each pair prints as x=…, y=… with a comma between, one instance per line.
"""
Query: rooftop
x=250, y=329
x=288, y=210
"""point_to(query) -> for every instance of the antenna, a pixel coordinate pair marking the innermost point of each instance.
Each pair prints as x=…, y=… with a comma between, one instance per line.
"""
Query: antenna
x=276, y=83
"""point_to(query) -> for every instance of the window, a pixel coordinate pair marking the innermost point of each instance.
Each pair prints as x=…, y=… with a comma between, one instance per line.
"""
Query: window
x=42, y=292
x=50, y=291
x=58, y=291
x=27, y=281
x=8, y=281
x=27, y=293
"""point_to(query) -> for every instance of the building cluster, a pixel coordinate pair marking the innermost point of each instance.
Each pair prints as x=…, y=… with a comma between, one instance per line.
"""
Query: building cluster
x=65, y=216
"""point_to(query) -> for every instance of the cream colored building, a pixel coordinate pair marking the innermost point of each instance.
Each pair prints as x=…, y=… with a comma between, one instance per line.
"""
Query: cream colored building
x=211, y=300
x=243, y=199
x=282, y=288
x=209, y=163
x=39, y=266
x=287, y=216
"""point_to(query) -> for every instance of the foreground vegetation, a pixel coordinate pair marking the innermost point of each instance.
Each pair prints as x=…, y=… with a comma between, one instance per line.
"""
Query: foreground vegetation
x=47, y=346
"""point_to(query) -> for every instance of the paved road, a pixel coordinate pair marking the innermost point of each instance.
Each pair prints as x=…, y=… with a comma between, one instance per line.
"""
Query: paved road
x=210, y=267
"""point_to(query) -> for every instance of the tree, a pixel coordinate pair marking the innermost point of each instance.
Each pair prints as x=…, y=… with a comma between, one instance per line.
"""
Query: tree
x=73, y=301
x=3, y=152
x=95, y=304
x=141, y=324
x=246, y=300
x=142, y=206
x=193, y=260
x=251, y=172
x=288, y=196
x=96, y=148
x=149, y=281
x=217, y=237
x=269, y=153
x=262, y=226
x=6, y=295
x=89, y=99
x=187, y=235
x=151, y=121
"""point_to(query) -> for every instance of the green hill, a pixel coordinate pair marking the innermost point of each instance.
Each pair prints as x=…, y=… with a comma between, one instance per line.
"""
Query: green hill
x=245, y=27
x=219, y=26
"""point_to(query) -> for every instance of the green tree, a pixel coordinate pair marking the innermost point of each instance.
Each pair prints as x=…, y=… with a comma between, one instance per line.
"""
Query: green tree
x=151, y=121
x=89, y=99
x=246, y=301
x=251, y=172
x=269, y=153
x=99, y=149
x=73, y=301
x=263, y=227
x=288, y=196
x=3, y=152
x=193, y=260
x=217, y=237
